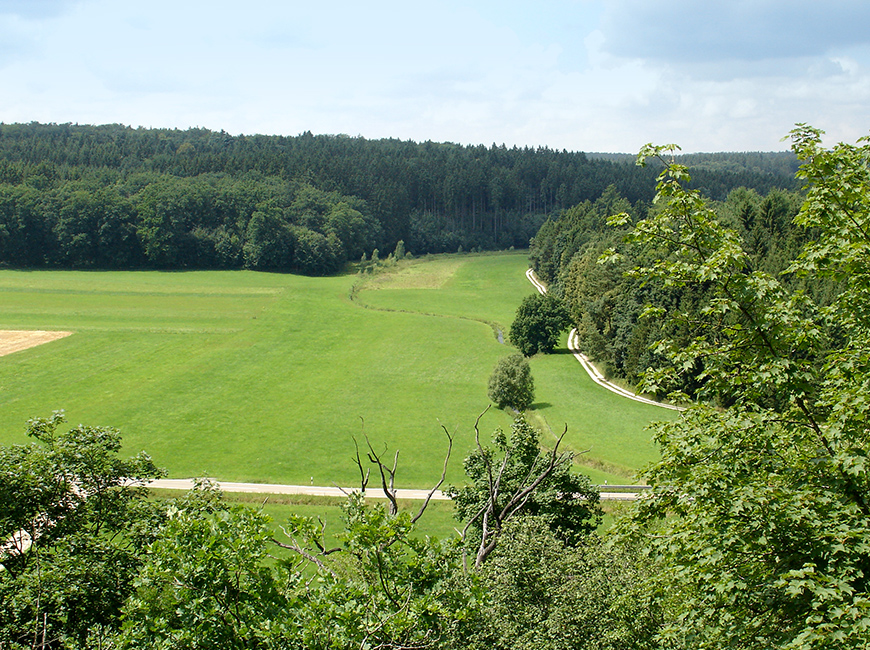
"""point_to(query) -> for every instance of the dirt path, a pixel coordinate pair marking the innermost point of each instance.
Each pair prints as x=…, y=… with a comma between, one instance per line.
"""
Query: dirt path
x=17, y=340
x=591, y=370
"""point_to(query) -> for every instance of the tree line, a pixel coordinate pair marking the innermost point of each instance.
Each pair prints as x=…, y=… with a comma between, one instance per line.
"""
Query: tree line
x=607, y=301
x=116, y=197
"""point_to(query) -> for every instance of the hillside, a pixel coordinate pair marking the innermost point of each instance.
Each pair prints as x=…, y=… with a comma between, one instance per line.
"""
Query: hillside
x=111, y=196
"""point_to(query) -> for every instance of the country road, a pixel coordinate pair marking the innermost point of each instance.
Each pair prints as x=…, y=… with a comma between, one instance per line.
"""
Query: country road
x=324, y=491
x=591, y=370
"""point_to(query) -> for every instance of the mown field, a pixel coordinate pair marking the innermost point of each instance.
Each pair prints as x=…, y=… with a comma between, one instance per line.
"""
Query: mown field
x=262, y=377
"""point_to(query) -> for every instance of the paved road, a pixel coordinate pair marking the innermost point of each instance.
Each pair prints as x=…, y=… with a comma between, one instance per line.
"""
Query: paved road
x=324, y=491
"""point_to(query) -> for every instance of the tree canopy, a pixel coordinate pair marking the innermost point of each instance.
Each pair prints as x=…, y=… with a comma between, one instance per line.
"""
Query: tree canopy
x=511, y=384
x=115, y=197
x=515, y=477
x=73, y=521
x=539, y=321
x=759, y=514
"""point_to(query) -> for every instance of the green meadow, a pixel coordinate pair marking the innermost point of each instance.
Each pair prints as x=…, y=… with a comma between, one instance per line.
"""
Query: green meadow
x=246, y=376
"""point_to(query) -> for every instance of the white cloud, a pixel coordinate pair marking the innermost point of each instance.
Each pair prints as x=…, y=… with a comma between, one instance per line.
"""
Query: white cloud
x=590, y=75
x=682, y=31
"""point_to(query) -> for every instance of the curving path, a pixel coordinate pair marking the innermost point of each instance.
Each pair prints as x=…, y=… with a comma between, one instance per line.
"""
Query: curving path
x=592, y=371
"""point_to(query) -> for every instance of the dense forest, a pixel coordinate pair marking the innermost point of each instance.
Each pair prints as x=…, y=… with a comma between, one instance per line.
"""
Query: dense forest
x=607, y=301
x=116, y=197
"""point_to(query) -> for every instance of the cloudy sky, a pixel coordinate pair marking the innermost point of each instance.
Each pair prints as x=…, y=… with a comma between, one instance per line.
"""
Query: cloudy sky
x=591, y=75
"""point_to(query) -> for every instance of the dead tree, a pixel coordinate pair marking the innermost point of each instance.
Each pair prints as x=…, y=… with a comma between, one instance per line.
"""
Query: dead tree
x=500, y=502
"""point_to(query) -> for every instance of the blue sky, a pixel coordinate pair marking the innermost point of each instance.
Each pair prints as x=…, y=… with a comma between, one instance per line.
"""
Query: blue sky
x=591, y=75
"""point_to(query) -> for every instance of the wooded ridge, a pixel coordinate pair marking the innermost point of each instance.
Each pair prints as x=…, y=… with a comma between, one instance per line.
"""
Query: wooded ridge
x=116, y=197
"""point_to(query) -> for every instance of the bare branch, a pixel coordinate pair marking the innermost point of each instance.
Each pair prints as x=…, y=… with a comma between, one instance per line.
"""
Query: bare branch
x=441, y=480
x=341, y=489
x=364, y=474
x=387, y=486
x=297, y=548
x=494, y=517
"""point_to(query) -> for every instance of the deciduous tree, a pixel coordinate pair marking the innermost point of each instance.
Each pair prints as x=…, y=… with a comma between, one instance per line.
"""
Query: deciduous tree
x=539, y=321
x=761, y=509
x=515, y=478
x=543, y=593
x=511, y=384
x=73, y=524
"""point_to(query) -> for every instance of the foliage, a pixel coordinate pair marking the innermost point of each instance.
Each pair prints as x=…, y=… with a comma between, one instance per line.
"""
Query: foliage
x=543, y=593
x=516, y=478
x=606, y=303
x=107, y=568
x=77, y=504
x=539, y=322
x=208, y=582
x=204, y=583
x=760, y=509
x=111, y=570
x=115, y=197
x=511, y=384
x=268, y=243
x=390, y=588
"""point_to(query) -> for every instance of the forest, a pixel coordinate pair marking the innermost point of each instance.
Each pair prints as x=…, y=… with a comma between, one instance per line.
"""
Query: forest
x=608, y=302
x=115, y=197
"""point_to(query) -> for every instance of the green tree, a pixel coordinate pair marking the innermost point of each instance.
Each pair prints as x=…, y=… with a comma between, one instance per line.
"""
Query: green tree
x=78, y=521
x=543, y=593
x=516, y=478
x=317, y=254
x=206, y=583
x=167, y=211
x=761, y=510
x=209, y=581
x=268, y=240
x=539, y=321
x=511, y=384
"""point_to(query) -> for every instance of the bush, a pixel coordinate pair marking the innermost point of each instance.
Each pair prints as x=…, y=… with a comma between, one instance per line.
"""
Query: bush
x=511, y=383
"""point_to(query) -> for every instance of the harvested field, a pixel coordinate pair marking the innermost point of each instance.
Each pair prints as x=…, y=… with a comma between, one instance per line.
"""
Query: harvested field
x=16, y=340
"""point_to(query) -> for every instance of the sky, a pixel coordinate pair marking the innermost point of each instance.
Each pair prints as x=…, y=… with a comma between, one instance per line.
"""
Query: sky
x=581, y=75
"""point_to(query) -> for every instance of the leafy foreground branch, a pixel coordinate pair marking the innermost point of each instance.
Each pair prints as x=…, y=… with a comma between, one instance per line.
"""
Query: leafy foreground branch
x=760, y=506
x=109, y=568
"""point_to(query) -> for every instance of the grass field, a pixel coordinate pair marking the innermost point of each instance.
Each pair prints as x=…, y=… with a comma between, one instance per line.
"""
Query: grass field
x=265, y=377
x=437, y=521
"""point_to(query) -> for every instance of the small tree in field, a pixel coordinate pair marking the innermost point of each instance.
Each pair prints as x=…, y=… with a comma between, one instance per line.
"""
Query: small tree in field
x=539, y=321
x=511, y=384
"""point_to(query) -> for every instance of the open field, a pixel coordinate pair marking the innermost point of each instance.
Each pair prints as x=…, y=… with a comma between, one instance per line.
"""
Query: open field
x=266, y=378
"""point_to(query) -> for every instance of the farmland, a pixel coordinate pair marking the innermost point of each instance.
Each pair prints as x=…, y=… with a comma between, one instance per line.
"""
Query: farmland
x=261, y=377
